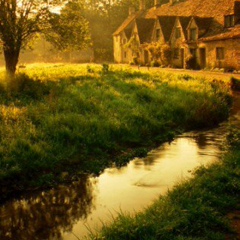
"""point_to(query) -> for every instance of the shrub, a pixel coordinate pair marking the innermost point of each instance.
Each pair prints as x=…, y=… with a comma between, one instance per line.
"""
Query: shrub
x=154, y=63
x=166, y=54
x=190, y=62
x=105, y=68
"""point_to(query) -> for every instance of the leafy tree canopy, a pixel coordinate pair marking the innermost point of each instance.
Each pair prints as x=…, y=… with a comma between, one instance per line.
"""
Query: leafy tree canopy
x=19, y=21
x=69, y=30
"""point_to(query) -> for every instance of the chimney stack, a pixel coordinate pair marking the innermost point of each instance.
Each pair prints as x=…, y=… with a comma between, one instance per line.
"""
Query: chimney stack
x=157, y=3
x=142, y=5
x=131, y=11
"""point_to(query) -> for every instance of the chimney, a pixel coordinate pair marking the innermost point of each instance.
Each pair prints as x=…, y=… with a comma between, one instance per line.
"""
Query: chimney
x=157, y=3
x=142, y=5
x=172, y=2
x=131, y=11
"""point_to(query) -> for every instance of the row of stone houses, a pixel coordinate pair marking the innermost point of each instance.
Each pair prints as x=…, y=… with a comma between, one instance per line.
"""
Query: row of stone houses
x=181, y=33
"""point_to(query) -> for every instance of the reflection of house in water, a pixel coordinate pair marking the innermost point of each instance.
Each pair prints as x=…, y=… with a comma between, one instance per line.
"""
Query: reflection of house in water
x=47, y=215
x=198, y=34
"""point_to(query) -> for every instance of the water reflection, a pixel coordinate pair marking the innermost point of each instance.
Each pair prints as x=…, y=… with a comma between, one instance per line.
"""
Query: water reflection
x=60, y=213
x=48, y=214
x=57, y=214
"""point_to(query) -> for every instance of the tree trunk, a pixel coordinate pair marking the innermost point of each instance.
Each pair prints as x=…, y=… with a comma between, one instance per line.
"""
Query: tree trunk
x=11, y=61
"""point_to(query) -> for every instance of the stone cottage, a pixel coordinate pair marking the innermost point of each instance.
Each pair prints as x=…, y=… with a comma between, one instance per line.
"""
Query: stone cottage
x=181, y=33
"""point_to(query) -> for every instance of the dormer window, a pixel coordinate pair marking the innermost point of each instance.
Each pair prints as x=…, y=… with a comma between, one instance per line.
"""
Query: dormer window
x=229, y=21
x=124, y=41
x=177, y=32
x=158, y=34
x=193, y=34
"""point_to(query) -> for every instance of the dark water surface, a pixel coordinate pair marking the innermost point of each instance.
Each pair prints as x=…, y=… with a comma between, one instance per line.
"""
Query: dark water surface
x=68, y=211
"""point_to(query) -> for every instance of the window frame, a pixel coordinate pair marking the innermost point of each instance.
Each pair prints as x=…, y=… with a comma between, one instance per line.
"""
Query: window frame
x=178, y=33
x=229, y=21
x=193, y=34
x=158, y=34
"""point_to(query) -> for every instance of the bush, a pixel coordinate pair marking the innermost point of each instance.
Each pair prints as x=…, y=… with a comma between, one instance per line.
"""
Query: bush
x=135, y=61
x=105, y=68
x=166, y=54
x=155, y=63
x=190, y=62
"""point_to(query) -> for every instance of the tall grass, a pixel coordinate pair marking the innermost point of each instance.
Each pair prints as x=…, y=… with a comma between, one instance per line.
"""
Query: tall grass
x=80, y=118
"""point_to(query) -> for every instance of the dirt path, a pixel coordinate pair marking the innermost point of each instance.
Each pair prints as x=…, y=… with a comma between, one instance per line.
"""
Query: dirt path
x=202, y=73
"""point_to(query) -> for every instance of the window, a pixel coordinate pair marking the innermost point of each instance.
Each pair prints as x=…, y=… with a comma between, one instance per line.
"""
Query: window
x=229, y=21
x=158, y=34
x=219, y=53
x=193, y=34
x=125, y=54
x=124, y=41
x=176, y=53
x=178, y=32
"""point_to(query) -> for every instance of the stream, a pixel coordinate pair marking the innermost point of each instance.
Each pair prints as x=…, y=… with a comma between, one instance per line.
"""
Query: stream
x=68, y=212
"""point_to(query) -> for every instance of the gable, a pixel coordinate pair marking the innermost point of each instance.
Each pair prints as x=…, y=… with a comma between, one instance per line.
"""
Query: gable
x=144, y=29
x=128, y=21
x=177, y=32
x=192, y=24
x=167, y=24
x=184, y=21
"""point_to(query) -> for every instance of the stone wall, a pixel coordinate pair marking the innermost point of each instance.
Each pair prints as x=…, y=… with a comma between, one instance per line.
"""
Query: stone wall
x=231, y=51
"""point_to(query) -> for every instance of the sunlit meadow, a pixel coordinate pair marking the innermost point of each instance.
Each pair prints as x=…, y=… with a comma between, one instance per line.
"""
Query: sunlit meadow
x=81, y=118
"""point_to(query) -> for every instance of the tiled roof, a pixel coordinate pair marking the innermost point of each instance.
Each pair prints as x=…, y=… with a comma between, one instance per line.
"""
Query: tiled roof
x=201, y=8
x=208, y=14
x=231, y=33
x=145, y=27
x=167, y=23
x=128, y=32
x=203, y=23
x=184, y=22
x=127, y=22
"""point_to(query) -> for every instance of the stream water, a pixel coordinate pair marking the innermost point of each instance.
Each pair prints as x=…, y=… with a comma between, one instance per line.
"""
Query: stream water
x=70, y=211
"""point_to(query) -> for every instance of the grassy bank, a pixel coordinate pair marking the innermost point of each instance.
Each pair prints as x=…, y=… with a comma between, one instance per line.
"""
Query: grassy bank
x=62, y=120
x=193, y=210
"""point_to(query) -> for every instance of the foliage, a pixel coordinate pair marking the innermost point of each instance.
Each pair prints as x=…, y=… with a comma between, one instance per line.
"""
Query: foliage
x=166, y=53
x=104, y=18
x=194, y=209
x=155, y=50
x=160, y=52
x=134, y=45
x=191, y=62
x=69, y=30
x=20, y=20
x=75, y=118
x=105, y=68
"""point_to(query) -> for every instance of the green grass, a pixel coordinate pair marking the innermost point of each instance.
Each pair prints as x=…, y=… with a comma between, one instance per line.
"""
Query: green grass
x=195, y=209
x=78, y=118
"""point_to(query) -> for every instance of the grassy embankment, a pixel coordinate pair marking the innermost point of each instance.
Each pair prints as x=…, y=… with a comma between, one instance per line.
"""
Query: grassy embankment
x=195, y=209
x=74, y=119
